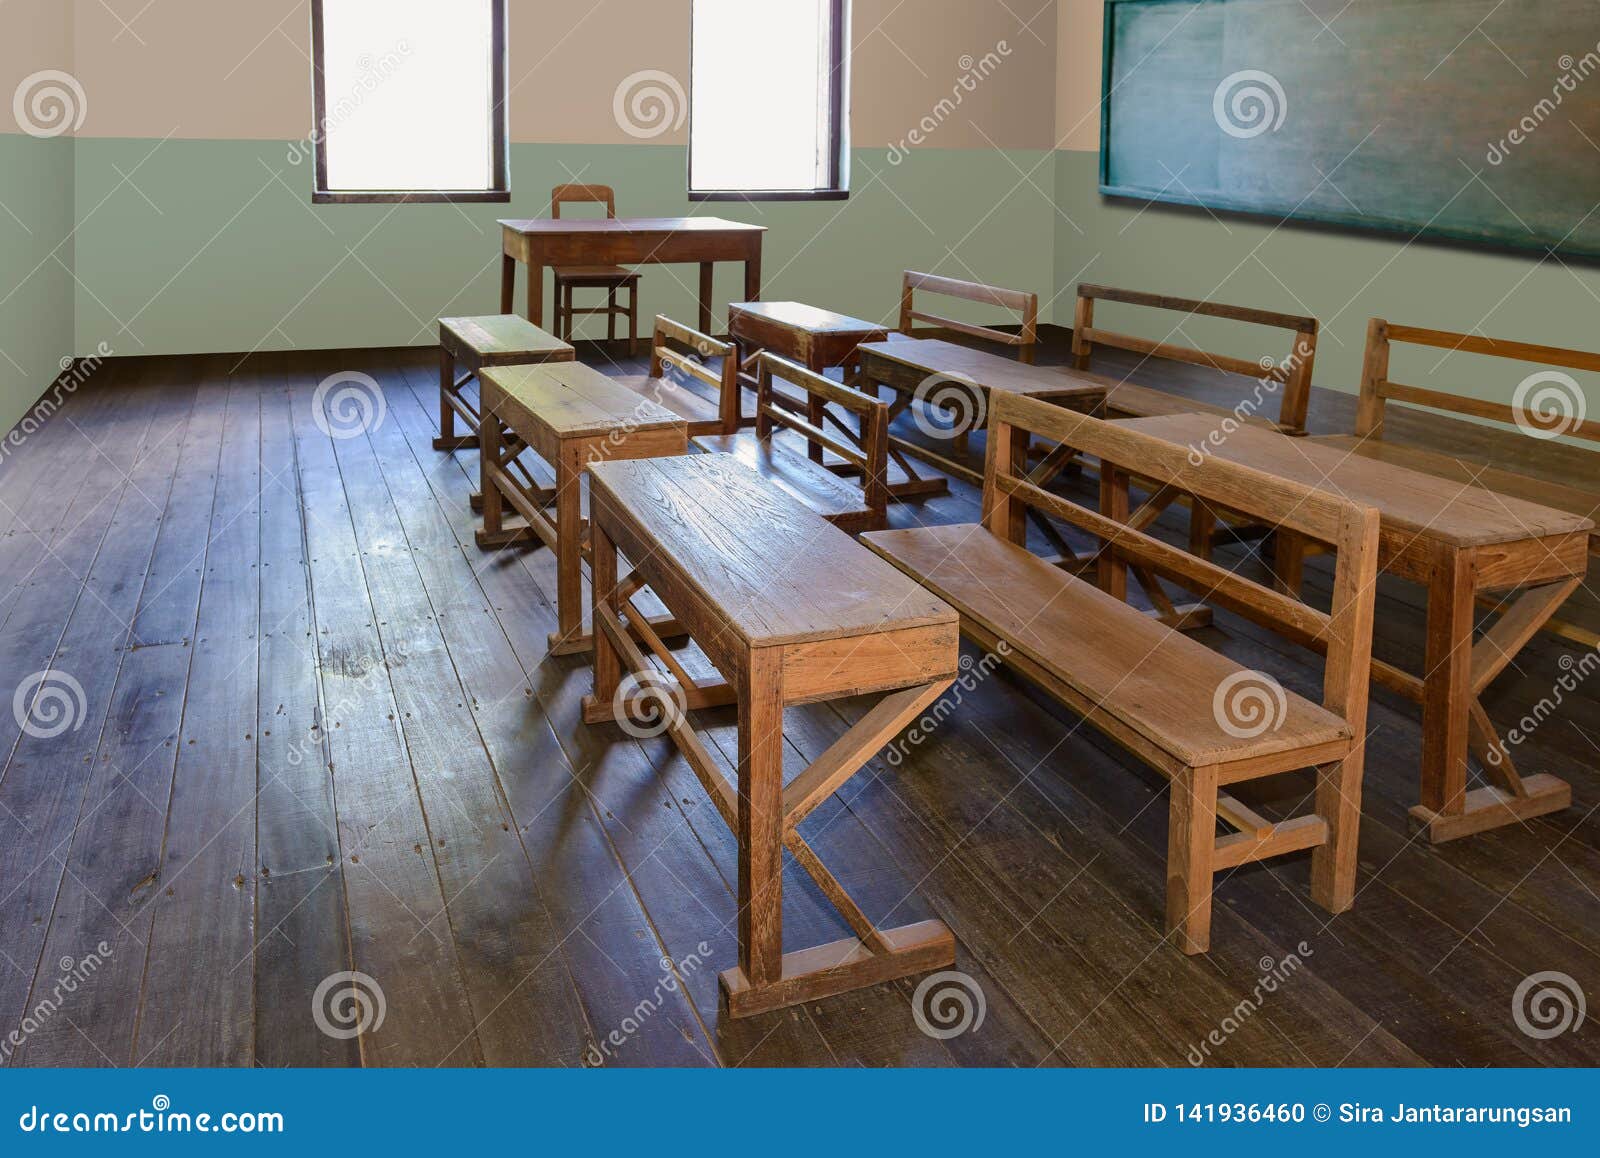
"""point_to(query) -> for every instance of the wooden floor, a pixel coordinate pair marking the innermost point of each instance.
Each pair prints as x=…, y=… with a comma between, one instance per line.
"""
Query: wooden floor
x=318, y=732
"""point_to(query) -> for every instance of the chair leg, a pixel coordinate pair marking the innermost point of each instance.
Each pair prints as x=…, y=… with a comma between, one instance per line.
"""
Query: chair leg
x=447, y=381
x=1333, y=865
x=611, y=314
x=633, y=320
x=1191, y=843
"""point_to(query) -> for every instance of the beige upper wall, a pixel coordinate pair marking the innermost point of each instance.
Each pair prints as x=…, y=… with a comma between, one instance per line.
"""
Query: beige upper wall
x=34, y=35
x=201, y=69
x=1079, y=58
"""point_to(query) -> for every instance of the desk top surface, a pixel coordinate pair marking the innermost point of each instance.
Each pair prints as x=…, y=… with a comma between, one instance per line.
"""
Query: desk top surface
x=776, y=571
x=1432, y=508
x=570, y=399
x=985, y=369
x=630, y=225
x=799, y=316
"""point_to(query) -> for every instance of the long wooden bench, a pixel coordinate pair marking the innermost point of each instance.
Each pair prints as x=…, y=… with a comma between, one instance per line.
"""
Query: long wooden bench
x=852, y=495
x=1026, y=306
x=1517, y=457
x=1196, y=716
x=1291, y=374
x=469, y=345
x=676, y=353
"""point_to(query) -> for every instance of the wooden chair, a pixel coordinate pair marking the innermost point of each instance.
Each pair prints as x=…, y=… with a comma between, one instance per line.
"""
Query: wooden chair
x=1292, y=374
x=680, y=350
x=1026, y=305
x=610, y=278
x=1501, y=458
x=1164, y=697
x=853, y=494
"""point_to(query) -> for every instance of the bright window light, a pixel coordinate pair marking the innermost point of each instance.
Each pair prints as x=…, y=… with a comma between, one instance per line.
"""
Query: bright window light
x=409, y=98
x=768, y=110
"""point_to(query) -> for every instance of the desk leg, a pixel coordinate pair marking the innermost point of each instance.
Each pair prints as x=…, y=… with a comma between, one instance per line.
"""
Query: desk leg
x=508, y=284
x=1447, y=687
x=603, y=583
x=752, y=277
x=761, y=820
x=568, y=638
x=535, y=293
x=706, y=271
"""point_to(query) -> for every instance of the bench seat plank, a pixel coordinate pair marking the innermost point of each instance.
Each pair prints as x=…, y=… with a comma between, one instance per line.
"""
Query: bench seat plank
x=820, y=489
x=700, y=413
x=500, y=339
x=1154, y=680
x=1129, y=400
x=569, y=398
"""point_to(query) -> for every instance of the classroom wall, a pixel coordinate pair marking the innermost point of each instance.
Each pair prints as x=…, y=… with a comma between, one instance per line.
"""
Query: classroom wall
x=204, y=238
x=1342, y=277
x=36, y=206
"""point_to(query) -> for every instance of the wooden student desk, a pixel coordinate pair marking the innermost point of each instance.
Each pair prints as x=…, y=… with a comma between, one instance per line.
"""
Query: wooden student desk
x=904, y=365
x=754, y=578
x=1458, y=541
x=704, y=241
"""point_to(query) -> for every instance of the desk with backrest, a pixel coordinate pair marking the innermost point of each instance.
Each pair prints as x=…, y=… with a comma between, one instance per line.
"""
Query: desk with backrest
x=1458, y=541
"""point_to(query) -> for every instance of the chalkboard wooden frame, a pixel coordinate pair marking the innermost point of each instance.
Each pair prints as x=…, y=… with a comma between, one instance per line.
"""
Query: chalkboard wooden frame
x=1492, y=236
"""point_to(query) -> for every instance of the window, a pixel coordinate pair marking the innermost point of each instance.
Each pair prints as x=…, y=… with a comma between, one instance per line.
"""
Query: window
x=409, y=98
x=768, y=104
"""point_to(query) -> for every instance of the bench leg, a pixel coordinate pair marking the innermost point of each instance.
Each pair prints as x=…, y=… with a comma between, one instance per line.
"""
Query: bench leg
x=568, y=636
x=448, y=439
x=1191, y=842
x=1333, y=865
x=1288, y=561
x=761, y=822
x=1202, y=527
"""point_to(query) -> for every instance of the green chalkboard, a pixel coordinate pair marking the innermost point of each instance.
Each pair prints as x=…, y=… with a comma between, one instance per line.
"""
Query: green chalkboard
x=1462, y=119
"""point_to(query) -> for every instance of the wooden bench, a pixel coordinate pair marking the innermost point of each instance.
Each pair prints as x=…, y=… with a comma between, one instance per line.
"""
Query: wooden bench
x=852, y=494
x=1025, y=304
x=678, y=349
x=1501, y=458
x=789, y=611
x=570, y=416
x=1291, y=375
x=815, y=339
x=470, y=344
x=1194, y=715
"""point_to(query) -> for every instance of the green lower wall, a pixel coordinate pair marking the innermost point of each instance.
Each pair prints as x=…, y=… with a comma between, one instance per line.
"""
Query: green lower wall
x=36, y=247
x=1342, y=278
x=215, y=246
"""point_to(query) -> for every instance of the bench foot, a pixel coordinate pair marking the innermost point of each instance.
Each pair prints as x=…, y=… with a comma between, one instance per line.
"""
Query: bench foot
x=826, y=970
x=463, y=442
x=1490, y=807
x=511, y=536
x=476, y=502
x=664, y=626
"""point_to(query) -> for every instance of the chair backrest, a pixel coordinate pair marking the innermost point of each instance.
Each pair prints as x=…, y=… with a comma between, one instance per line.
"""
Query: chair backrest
x=582, y=195
x=1025, y=304
x=865, y=448
x=1558, y=408
x=1292, y=373
x=678, y=346
x=1345, y=635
